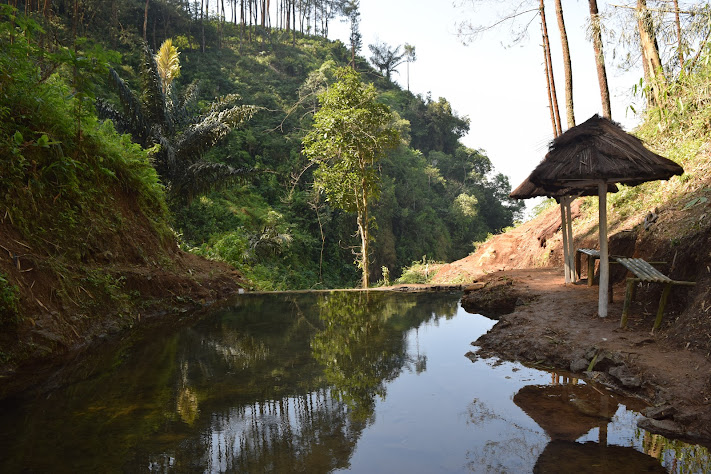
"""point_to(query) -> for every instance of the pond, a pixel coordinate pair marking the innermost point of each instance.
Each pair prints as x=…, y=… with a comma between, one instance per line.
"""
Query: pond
x=326, y=382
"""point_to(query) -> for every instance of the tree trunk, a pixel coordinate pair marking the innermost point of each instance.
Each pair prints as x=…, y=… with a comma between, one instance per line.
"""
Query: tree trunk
x=653, y=71
x=600, y=60
x=145, y=22
x=202, y=23
x=550, y=78
x=364, y=231
x=566, y=66
x=680, y=52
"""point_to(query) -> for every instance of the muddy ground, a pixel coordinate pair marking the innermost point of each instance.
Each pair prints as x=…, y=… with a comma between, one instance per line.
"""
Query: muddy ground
x=546, y=323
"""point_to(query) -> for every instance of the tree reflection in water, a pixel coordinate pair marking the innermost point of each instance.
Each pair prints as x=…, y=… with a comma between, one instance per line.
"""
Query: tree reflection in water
x=300, y=382
x=285, y=383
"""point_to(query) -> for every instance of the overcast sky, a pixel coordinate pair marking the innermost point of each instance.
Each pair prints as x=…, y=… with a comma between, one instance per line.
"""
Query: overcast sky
x=499, y=86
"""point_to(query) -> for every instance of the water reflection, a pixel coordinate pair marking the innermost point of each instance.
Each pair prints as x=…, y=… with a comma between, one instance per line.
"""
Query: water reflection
x=341, y=381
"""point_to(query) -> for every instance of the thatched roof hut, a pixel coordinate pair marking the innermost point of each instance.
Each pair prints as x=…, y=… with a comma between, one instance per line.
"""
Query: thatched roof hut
x=598, y=149
x=595, y=153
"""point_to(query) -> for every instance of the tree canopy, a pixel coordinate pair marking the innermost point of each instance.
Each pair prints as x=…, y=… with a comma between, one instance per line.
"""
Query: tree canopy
x=351, y=133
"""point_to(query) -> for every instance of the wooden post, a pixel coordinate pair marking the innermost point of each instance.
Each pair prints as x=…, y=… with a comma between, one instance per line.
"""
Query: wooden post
x=604, y=262
x=564, y=231
x=662, y=304
x=571, y=243
x=591, y=270
x=629, y=295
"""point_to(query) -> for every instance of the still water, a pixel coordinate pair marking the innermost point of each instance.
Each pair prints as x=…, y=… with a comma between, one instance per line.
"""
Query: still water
x=328, y=382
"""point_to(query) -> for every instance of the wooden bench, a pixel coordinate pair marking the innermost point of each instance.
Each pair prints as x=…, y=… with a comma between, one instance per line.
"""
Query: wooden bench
x=644, y=272
x=592, y=256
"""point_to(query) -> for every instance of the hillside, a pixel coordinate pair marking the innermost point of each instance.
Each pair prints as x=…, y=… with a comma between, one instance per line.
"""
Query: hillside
x=86, y=247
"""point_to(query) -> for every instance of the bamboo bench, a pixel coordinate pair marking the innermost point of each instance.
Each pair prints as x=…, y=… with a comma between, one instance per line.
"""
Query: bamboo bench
x=644, y=272
x=592, y=256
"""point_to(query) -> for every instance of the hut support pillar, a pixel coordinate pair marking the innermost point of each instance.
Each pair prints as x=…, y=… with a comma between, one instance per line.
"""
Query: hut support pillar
x=571, y=243
x=604, y=262
x=564, y=231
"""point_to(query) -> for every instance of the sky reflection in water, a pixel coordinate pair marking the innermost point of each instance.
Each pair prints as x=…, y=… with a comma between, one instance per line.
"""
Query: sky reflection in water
x=342, y=381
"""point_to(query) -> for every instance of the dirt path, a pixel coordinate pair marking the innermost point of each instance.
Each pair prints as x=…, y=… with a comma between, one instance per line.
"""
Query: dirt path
x=556, y=325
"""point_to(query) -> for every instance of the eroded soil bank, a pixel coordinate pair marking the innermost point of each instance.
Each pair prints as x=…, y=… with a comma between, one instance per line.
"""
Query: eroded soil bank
x=546, y=323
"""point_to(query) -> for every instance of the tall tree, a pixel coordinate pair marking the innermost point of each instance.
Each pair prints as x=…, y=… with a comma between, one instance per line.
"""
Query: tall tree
x=600, y=59
x=385, y=58
x=350, y=135
x=677, y=21
x=410, y=57
x=651, y=61
x=567, y=69
x=351, y=9
x=550, y=78
x=468, y=31
x=145, y=20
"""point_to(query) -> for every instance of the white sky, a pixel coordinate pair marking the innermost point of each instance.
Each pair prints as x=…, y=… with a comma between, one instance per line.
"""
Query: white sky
x=501, y=88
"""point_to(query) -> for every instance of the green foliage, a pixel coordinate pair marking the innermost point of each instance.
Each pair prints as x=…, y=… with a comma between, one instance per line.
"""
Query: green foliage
x=312, y=243
x=69, y=186
x=419, y=272
x=178, y=137
x=542, y=206
x=351, y=134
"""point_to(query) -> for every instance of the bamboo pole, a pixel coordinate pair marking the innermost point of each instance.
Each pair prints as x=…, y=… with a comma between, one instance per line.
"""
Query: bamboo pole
x=564, y=231
x=571, y=243
x=662, y=305
x=604, y=262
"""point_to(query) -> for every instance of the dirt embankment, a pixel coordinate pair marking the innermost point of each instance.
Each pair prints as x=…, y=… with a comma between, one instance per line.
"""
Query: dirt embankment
x=518, y=276
x=74, y=295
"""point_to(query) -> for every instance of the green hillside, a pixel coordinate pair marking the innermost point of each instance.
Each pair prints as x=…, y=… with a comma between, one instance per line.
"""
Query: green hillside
x=91, y=219
x=277, y=231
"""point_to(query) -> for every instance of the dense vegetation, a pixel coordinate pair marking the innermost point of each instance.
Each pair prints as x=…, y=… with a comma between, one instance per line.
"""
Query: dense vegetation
x=437, y=197
x=64, y=176
x=80, y=198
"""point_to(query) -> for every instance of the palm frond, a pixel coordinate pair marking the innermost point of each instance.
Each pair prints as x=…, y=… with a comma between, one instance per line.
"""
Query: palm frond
x=153, y=99
x=233, y=116
x=133, y=120
x=213, y=127
x=204, y=176
x=183, y=109
x=168, y=62
x=106, y=111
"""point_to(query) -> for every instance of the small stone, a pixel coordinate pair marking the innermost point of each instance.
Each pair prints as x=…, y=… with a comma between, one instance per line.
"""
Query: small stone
x=660, y=413
x=578, y=365
x=623, y=374
x=666, y=428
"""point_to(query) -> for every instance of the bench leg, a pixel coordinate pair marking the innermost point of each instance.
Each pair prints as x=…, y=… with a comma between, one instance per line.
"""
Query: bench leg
x=662, y=304
x=578, y=263
x=609, y=292
x=591, y=270
x=629, y=295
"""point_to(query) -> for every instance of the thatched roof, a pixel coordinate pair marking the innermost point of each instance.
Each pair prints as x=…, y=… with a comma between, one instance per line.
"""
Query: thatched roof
x=598, y=149
x=527, y=190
